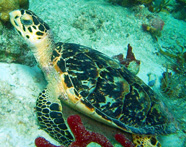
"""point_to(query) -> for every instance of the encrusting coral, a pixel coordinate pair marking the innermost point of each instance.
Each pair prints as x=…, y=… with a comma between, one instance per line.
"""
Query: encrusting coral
x=84, y=137
x=6, y=6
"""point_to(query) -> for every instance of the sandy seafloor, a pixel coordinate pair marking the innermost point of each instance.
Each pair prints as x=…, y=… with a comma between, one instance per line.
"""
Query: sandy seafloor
x=96, y=24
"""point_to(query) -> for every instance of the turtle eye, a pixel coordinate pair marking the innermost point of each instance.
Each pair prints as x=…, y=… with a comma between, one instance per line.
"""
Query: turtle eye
x=26, y=21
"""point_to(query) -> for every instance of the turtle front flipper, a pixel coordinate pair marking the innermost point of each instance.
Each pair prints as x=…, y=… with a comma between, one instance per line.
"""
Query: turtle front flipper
x=145, y=141
x=51, y=119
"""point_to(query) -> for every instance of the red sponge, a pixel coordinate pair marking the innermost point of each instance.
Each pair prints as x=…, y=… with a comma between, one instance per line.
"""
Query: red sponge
x=123, y=140
x=84, y=137
x=42, y=142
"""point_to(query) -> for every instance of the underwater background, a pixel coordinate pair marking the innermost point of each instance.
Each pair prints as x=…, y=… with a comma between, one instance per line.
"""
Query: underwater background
x=156, y=31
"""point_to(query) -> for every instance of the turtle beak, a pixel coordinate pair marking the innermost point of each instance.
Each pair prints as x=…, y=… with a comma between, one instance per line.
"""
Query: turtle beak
x=13, y=16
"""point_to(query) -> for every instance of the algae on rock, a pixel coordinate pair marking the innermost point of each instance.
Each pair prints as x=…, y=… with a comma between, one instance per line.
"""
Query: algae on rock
x=6, y=6
x=13, y=49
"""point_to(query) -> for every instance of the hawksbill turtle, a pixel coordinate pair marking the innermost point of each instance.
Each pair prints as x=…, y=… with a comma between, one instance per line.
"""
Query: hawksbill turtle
x=89, y=82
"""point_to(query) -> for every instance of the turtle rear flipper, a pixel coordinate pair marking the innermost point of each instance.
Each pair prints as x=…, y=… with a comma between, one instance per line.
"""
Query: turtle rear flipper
x=51, y=119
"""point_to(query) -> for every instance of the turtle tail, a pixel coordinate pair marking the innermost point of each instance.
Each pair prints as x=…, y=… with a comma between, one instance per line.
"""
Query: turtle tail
x=51, y=119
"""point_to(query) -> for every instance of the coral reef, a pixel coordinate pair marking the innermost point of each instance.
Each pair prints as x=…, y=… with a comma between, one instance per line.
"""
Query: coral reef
x=159, y=5
x=130, y=61
x=179, y=57
x=153, y=5
x=153, y=31
x=154, y=27
x=173, y=86
x=173, y=80
x=157, y=23
x=130, y=2
x=166, y=83
x=7, y=6
x=180, y=10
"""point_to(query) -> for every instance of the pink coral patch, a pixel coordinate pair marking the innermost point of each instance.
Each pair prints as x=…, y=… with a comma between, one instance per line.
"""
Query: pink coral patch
x=123, y=140
x=42, y=142
x=84, y=137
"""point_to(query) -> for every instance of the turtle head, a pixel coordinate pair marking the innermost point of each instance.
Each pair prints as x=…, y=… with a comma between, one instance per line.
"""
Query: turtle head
x=29, y=26
x=37, y=34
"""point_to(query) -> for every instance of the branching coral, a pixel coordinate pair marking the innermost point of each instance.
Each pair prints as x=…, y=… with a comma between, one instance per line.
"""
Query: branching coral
x=84, y=137
x=7, y=6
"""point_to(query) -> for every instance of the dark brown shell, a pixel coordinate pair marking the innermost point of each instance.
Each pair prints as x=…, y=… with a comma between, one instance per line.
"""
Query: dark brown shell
x=113, y=92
